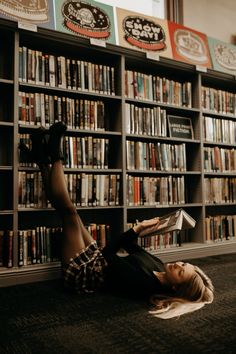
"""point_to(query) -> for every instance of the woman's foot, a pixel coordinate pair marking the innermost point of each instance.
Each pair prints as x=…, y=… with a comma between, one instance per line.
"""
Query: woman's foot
x=55, y=143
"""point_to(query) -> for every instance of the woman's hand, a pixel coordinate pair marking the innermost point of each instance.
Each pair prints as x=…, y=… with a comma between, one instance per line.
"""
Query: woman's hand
x=145, y=224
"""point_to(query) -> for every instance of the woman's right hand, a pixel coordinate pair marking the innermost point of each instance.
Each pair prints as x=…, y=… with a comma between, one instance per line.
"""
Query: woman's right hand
x=145, y=224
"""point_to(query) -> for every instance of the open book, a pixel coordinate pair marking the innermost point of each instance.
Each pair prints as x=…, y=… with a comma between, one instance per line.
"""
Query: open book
x=178, y=220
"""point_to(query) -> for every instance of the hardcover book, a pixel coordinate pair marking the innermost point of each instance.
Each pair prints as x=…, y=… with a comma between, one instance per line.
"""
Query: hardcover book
x=177, y=220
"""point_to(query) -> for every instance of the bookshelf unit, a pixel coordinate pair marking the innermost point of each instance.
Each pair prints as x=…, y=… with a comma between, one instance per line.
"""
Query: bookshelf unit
x=17, y=122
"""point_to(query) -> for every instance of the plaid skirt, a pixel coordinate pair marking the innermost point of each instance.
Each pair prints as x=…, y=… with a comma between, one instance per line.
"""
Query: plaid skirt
x=85, y=272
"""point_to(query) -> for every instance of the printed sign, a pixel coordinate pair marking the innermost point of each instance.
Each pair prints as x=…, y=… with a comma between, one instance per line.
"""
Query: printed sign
x=86, y=19
x=180, y=127
x=143, y=33
x=38, y=12
x=189, y=45
x=223, y=56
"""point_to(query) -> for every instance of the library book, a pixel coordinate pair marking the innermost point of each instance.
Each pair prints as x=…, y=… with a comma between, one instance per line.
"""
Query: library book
x=177, y=220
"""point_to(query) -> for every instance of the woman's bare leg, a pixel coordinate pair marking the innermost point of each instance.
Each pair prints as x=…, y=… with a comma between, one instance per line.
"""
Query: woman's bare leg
x=75, y=236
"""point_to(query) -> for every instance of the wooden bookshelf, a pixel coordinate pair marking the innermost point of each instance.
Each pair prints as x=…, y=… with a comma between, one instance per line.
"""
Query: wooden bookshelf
x=18, y=120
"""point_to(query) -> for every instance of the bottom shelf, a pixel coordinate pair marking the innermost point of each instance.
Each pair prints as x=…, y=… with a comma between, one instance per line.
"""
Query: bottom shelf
x=196, y=250
x=31, y=274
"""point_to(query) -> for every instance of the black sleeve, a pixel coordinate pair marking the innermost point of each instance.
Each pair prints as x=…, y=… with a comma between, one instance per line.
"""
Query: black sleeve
x=125, y=278
x=126, y=240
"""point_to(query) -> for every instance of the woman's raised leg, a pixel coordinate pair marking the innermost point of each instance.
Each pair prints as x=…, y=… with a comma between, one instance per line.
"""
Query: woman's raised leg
x=45, y=151
x=75, y=235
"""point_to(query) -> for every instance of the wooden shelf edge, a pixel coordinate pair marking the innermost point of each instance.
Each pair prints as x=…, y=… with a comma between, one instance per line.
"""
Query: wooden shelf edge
x=17, y=276
x=193, y=251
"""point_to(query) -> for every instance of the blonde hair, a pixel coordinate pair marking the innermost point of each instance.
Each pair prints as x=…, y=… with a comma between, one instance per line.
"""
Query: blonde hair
x=189, y=296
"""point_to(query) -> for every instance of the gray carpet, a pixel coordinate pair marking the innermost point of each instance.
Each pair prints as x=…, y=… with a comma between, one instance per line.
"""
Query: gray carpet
x=43, y=318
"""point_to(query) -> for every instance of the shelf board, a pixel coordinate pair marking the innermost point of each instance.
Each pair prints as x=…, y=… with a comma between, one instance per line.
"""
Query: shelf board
x=161, y=138
x=220, y=204
x=6, y=168
x=6, y=124
x=6, y=212
x=69, y=91
x=22, y=275
x=220, y=174
x=6, y=81
x=81, y=170
x=94, y=170
x=76, y=130
x=92, y=207
x=214, y=143
x=220, y=115
x=157, y=172
x=196, y=250
x=166, y=206
x=161, y=104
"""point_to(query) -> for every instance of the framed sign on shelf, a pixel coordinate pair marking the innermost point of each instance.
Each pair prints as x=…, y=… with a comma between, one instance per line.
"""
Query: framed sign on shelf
x=180, y=127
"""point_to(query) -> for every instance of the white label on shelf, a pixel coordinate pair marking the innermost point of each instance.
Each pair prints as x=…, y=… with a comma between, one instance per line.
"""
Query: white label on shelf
x=27, y=26
x=153, y=56
x=201, y=68
x=98, y=42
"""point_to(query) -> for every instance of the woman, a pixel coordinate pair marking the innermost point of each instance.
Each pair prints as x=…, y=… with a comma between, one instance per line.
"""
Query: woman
x=174, y=288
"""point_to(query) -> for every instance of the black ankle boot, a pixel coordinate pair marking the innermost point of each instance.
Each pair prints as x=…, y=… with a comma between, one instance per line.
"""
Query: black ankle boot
x=55, y=143
x=39, y=146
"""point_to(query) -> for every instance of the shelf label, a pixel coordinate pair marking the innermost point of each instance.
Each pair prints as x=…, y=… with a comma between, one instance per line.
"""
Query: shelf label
x=99, y=42
x=203, y=69
x=153, y=56
x=27, y=26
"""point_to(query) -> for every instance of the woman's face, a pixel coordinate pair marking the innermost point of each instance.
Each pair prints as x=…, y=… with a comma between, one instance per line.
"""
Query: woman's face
x=178, y=272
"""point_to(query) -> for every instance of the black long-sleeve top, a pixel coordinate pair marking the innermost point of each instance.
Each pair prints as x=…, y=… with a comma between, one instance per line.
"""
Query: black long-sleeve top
x=133, y=274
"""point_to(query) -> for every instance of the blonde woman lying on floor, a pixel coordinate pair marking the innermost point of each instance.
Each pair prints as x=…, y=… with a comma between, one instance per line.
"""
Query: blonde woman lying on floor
x=173, y=288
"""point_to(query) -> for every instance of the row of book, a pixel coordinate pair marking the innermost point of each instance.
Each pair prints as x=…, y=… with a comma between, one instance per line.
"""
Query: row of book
x=44, y=110
x=94, y=189
x=36, y=67
x=145, y=120
x=219, y=159
x=158, y=242
x=165, y=239
x=218, y=101
x=79, y=152
x=219, y=130
x=86, y=152
x=42, y=244
x=100, y=233
x=220, y=228
x=159, y=89
x=31, y=193
x=155, y=156
x=84, y=189
x=155, y=190
x=39, y=245
x=220, y=190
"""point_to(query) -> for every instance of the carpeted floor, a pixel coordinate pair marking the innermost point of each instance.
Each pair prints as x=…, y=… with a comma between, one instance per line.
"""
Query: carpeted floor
x=42, y=318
